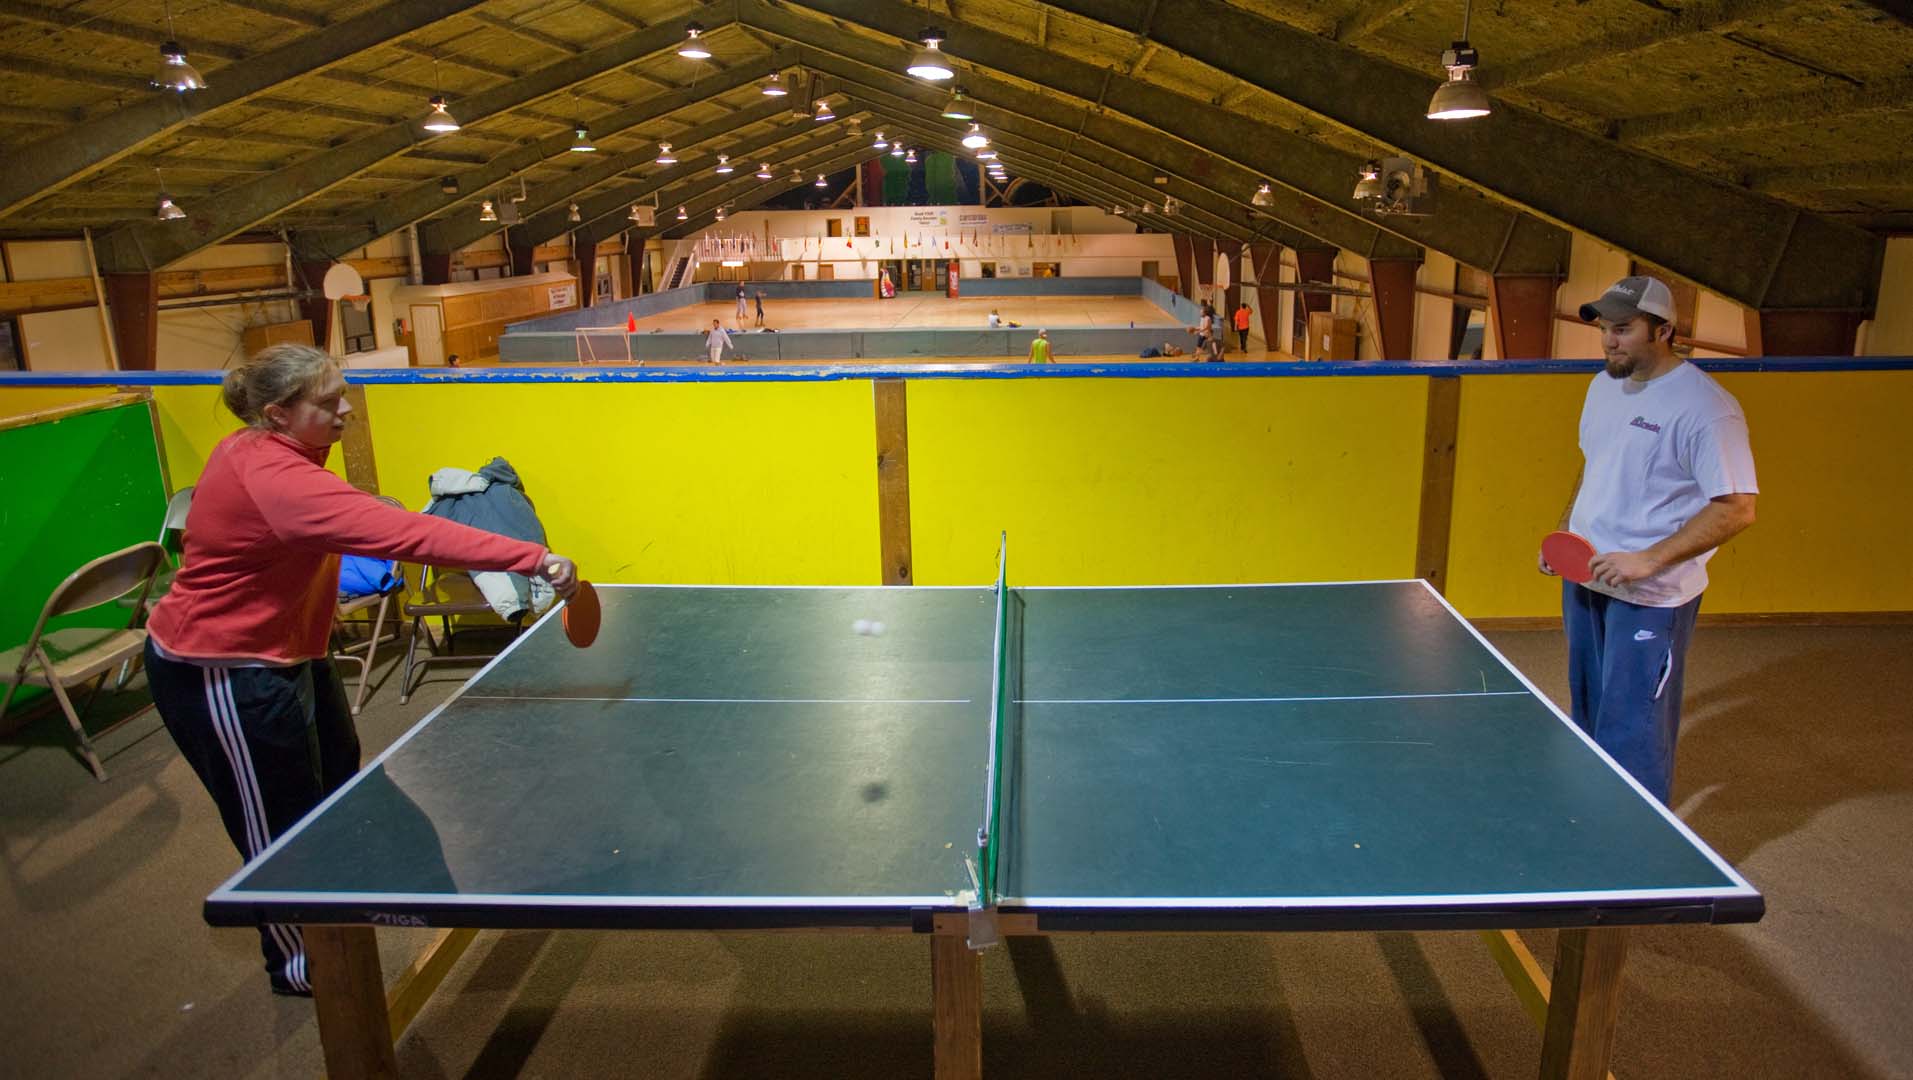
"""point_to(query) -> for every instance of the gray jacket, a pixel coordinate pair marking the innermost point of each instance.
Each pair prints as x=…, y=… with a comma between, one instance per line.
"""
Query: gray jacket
x=493, y=499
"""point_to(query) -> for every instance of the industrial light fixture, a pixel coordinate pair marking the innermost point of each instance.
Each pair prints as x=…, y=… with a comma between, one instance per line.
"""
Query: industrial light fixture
x=1263, y=196
x=1461, y=97
x=910, y=156
x=764, y=171
x=821, y=182
x=1117, y=210
x=448, y=184
x=682, y=215
x=1369, y=187
x=693, y=48
x=166, y=209
x=582, y=144
x=174, y=72
x=774, y=86
x=720, y=213
x=976, y=140
x=796, y=177
x=880, y=144
x=486, y=213
x=574, y=216
x=823, y=110
x=724, y=164
x=958, y=107
x=930, y=64
x=636, y=214
x=439, y=120
x=986, y=154
x=896, y=149
x=665, y=156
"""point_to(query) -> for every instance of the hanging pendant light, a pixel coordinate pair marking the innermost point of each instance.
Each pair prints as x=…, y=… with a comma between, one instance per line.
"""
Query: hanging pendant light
x=976, y=140
x=166, y=209
x=821, y=182
x=823, y=110
x=174, y=73
x=582, y=144
x=1263, y=196
x=764, y=171
x=693, y=48
x=796, y=177
x=682, y=215
x=724, y=165
x=910, y=156
x=1461, y=97
x=930, y=64
x=880, y=144
x=774, y=86
x=958, y=107
x=896, y=149
x=485, y=211
x=665, y=156
x=439, y=120
x=986, y=154
x=573, y=215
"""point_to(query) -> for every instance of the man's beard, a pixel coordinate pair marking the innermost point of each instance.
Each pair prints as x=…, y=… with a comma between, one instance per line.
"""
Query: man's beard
x=1621, y=368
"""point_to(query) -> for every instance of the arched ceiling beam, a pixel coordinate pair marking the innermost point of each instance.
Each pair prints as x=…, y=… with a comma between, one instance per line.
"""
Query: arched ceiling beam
x=150, y=245
x=1750, y=248
x=53, y=163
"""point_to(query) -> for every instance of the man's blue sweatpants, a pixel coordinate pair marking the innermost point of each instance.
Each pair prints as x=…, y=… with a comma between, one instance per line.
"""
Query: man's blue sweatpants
x=1625, y=664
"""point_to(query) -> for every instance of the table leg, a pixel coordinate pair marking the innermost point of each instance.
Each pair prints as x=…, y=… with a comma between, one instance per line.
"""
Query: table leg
x=1585, y=1003
x=348, y=992
x=956, y=976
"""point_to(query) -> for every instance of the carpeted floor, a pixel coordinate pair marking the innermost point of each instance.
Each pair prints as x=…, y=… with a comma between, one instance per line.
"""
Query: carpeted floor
x=1796, y=764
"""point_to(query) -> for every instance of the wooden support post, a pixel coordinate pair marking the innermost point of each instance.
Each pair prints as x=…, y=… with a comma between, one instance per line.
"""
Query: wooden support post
x=1393, y=283
x=361, y=468
x=348, y=993
x=1202, y=251
x=1185, y=265
x=1585, y=1003
x=435, y=267
x=134, y=299
x=893, y=481
x=315, y=308
x=956, y=978
x=1521, y=315
x=1438, y=481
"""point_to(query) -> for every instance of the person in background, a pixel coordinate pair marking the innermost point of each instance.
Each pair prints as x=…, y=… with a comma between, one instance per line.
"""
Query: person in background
x=995, y=319
x=1667, y=477
x=741, y=302
x=716, y=340
x=1242, y=315
x=1039, y=348
x=760, y=307
x=238, y=655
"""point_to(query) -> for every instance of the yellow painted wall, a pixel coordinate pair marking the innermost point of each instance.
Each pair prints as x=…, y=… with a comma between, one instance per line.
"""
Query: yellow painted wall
x=192, y=420
x=1163, y=481
x=765, y=483
x=1833, y=451
x=1516, y=455
x=22, y=400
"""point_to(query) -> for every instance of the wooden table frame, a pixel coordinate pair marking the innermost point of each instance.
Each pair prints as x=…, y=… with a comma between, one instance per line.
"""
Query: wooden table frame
x=360, y=1018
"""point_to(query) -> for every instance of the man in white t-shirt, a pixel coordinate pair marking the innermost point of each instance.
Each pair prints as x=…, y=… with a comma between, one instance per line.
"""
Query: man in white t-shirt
x=717, y=340
x=1667, y=477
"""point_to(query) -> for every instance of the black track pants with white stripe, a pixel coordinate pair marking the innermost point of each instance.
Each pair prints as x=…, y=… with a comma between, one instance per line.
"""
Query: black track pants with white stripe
x=269, y=744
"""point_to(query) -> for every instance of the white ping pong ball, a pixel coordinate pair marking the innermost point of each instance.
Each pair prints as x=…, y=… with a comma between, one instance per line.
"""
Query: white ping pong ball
x=861, y=626
x=876, y=628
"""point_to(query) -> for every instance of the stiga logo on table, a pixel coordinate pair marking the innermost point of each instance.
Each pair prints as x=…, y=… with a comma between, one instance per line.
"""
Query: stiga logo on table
x=386, y=918
x=1641, y=422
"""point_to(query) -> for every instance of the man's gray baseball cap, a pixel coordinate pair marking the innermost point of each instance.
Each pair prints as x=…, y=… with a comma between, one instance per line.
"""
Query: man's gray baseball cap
x=1631, y=296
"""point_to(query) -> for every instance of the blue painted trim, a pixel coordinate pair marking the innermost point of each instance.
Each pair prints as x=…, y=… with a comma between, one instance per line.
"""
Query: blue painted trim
x=572, y=373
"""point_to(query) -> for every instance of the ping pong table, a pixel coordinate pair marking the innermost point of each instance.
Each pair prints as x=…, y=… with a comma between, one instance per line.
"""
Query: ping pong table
x=995, y=761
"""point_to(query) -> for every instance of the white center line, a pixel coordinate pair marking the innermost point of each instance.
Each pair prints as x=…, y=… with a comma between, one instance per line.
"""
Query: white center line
x=1263, y=700
x=727, y=701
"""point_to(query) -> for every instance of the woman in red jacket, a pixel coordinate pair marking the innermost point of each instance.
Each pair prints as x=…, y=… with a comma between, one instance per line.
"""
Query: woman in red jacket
x=237, y=651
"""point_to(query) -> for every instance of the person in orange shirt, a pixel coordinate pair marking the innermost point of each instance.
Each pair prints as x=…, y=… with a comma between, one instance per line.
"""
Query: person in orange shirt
x=1242, y=325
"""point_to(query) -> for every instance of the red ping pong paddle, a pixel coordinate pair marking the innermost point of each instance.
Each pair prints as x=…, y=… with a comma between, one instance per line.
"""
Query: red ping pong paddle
x=1568, y=554
x=582, y=615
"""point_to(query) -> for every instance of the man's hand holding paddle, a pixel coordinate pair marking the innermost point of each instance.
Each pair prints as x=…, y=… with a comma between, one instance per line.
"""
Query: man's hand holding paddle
x=1571, y=556
x=562, y=573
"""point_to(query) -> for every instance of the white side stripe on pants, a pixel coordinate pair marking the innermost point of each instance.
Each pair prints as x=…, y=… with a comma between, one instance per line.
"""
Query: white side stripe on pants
x=224, y=710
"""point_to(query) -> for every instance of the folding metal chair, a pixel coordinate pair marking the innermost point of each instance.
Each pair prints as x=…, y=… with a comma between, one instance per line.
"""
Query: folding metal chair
x=57, y=659
x=378, y=604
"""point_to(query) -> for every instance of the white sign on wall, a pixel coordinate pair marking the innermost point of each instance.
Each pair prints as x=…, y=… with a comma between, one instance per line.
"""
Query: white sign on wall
x=930, y=216
x=1018, y=227
x=564, y=296
x=973, y=219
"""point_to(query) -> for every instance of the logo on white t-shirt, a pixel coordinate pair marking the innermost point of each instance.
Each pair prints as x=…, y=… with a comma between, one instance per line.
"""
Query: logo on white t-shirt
x=1643, y=423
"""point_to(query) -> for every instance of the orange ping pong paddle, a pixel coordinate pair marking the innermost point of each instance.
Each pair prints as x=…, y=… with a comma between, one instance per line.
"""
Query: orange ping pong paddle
x=1568, y=554
x=582, y=616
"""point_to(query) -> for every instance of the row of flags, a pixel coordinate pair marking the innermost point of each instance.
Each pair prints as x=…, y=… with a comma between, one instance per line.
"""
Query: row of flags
x=972, y=242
